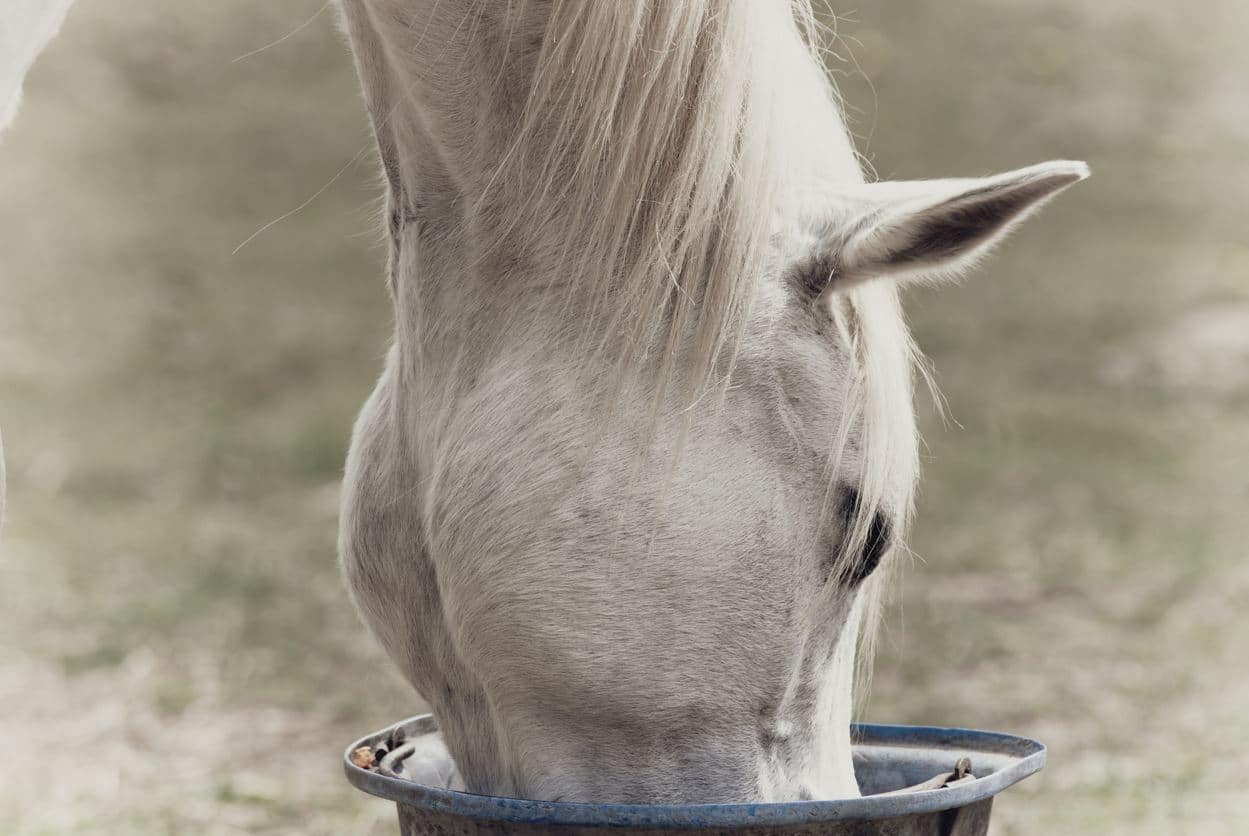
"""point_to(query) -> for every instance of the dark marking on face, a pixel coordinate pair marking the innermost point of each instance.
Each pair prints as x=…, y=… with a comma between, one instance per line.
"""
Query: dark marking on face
x=878, y=534
x=874, y=546
x=857, y=568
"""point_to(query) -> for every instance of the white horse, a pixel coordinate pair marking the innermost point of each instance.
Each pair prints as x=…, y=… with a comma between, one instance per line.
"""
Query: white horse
x=620, y=504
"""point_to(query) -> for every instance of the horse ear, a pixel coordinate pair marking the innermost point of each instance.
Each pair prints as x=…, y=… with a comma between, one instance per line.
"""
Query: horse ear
x=930, y=229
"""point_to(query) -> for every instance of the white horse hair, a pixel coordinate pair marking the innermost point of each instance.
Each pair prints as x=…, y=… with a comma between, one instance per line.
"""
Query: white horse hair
x=619, y=505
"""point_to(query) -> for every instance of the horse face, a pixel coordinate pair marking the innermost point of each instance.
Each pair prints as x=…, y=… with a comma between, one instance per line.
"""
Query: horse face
x=591, y=624
x=607, y=587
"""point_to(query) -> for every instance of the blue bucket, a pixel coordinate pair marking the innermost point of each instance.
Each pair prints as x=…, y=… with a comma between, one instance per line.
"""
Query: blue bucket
x=895, y=766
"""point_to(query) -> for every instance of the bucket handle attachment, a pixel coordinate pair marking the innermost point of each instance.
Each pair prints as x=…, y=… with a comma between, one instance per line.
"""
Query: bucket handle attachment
x=959, y=775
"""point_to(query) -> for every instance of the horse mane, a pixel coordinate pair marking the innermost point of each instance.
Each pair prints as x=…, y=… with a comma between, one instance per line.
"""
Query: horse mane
x=658, y=144
x=648, y=132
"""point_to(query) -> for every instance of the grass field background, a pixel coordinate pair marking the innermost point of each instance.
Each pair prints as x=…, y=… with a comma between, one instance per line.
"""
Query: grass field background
x=177, y=654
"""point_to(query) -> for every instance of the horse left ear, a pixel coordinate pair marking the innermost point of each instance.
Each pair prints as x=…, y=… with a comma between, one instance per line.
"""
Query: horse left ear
x=930, y=229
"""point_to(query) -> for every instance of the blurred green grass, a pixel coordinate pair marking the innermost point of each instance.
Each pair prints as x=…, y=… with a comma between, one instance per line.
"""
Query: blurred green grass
x=176, y=416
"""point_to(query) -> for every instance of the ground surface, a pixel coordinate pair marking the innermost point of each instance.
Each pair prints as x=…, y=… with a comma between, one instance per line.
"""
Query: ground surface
x=176, y=652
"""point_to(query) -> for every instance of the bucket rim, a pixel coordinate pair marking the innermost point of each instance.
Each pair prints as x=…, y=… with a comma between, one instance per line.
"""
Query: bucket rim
x=1025, y=757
